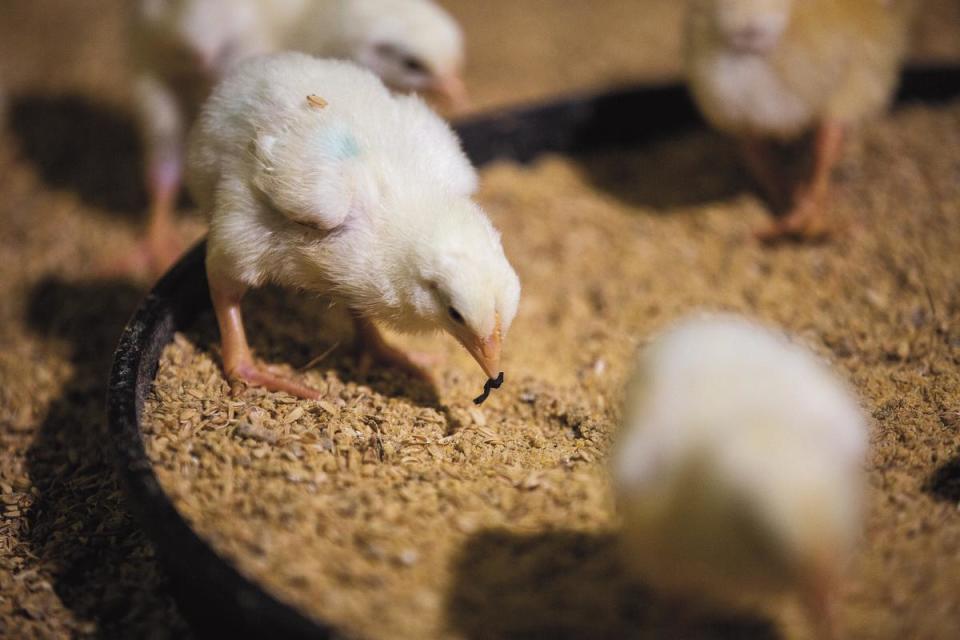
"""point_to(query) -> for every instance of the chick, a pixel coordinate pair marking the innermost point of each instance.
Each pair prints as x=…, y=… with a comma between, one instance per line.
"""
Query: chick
x=771, y=71
x=182, y=47
x=315, y=177
x=413, y=45
x=739, y=468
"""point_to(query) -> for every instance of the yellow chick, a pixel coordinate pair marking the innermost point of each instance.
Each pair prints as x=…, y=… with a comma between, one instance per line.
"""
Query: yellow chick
x=738, y=472
x=771, y=71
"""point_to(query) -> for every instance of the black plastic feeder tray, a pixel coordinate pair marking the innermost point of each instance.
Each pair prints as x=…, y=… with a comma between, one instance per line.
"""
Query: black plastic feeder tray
x=211, y=592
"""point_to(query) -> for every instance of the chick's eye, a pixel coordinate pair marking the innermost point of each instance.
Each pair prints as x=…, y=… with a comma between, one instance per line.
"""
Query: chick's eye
x=413, y=65
x=455, y=315
x=387, y=50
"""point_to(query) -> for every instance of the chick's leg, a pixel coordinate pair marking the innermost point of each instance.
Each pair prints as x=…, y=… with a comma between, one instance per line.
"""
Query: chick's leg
x=805, y=220
x=163, y=243
x=818, y=599
x=161, y=124
x=376, y=350
x=238, y=361
x=761, y=162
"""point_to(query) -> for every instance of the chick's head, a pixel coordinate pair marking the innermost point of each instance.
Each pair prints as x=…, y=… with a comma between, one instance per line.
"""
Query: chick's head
x=209, y=35
x=413, y=45
x=462, y=282
x=749, y=26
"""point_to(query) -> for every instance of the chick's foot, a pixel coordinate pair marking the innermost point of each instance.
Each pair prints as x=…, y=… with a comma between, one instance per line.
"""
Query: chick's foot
x=251, y=374
x=412, y=363
x=153, y=254
x=163, y=246
x=374, y=350
x=149, y=259
x=238, y=361
x=804, y=223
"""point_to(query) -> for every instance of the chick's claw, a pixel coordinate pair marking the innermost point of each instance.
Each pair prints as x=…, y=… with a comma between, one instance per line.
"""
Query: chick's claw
x=253, y=375
x=374, y=350
x=413, y=363
x=804, y=223
x=163, y=248
x=148, y=259
x=162, y=243
x=237, y=358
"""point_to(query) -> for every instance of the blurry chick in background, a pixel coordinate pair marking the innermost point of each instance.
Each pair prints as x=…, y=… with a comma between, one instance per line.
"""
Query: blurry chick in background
x=315, y=177
x=738, y=473
x=772, y=71
x=412, y=45
x=182, y=47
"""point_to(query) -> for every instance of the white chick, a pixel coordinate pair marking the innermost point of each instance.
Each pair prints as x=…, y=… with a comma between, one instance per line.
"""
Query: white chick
x=739, y=467
x=315, y=177
x=411, y=44
x=182, y=47
x=769, y=71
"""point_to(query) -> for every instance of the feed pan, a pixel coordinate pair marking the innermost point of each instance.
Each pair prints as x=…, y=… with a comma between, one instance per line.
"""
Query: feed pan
x=212, y=593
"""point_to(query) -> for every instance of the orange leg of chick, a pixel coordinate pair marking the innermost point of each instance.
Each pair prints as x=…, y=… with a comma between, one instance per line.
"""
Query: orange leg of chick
x=805, y=220
x=761, y=162
x=161, y=244
x=818, y=599
x=375, y=350
x=238, y=361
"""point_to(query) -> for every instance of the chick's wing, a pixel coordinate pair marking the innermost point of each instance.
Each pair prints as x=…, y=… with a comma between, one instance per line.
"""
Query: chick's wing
x=309, y=174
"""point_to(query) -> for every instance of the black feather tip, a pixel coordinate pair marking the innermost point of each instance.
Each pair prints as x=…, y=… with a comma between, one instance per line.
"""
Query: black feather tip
x=492, y=383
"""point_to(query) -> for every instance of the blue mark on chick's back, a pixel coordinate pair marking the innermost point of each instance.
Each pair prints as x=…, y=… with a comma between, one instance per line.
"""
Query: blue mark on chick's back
x=339, y=143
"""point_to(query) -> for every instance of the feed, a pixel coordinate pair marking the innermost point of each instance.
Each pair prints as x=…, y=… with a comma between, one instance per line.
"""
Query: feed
x=394, y=513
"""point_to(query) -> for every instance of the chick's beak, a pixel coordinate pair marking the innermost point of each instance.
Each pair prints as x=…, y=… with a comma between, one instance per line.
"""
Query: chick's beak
x=486, y=351
x=452, y=90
